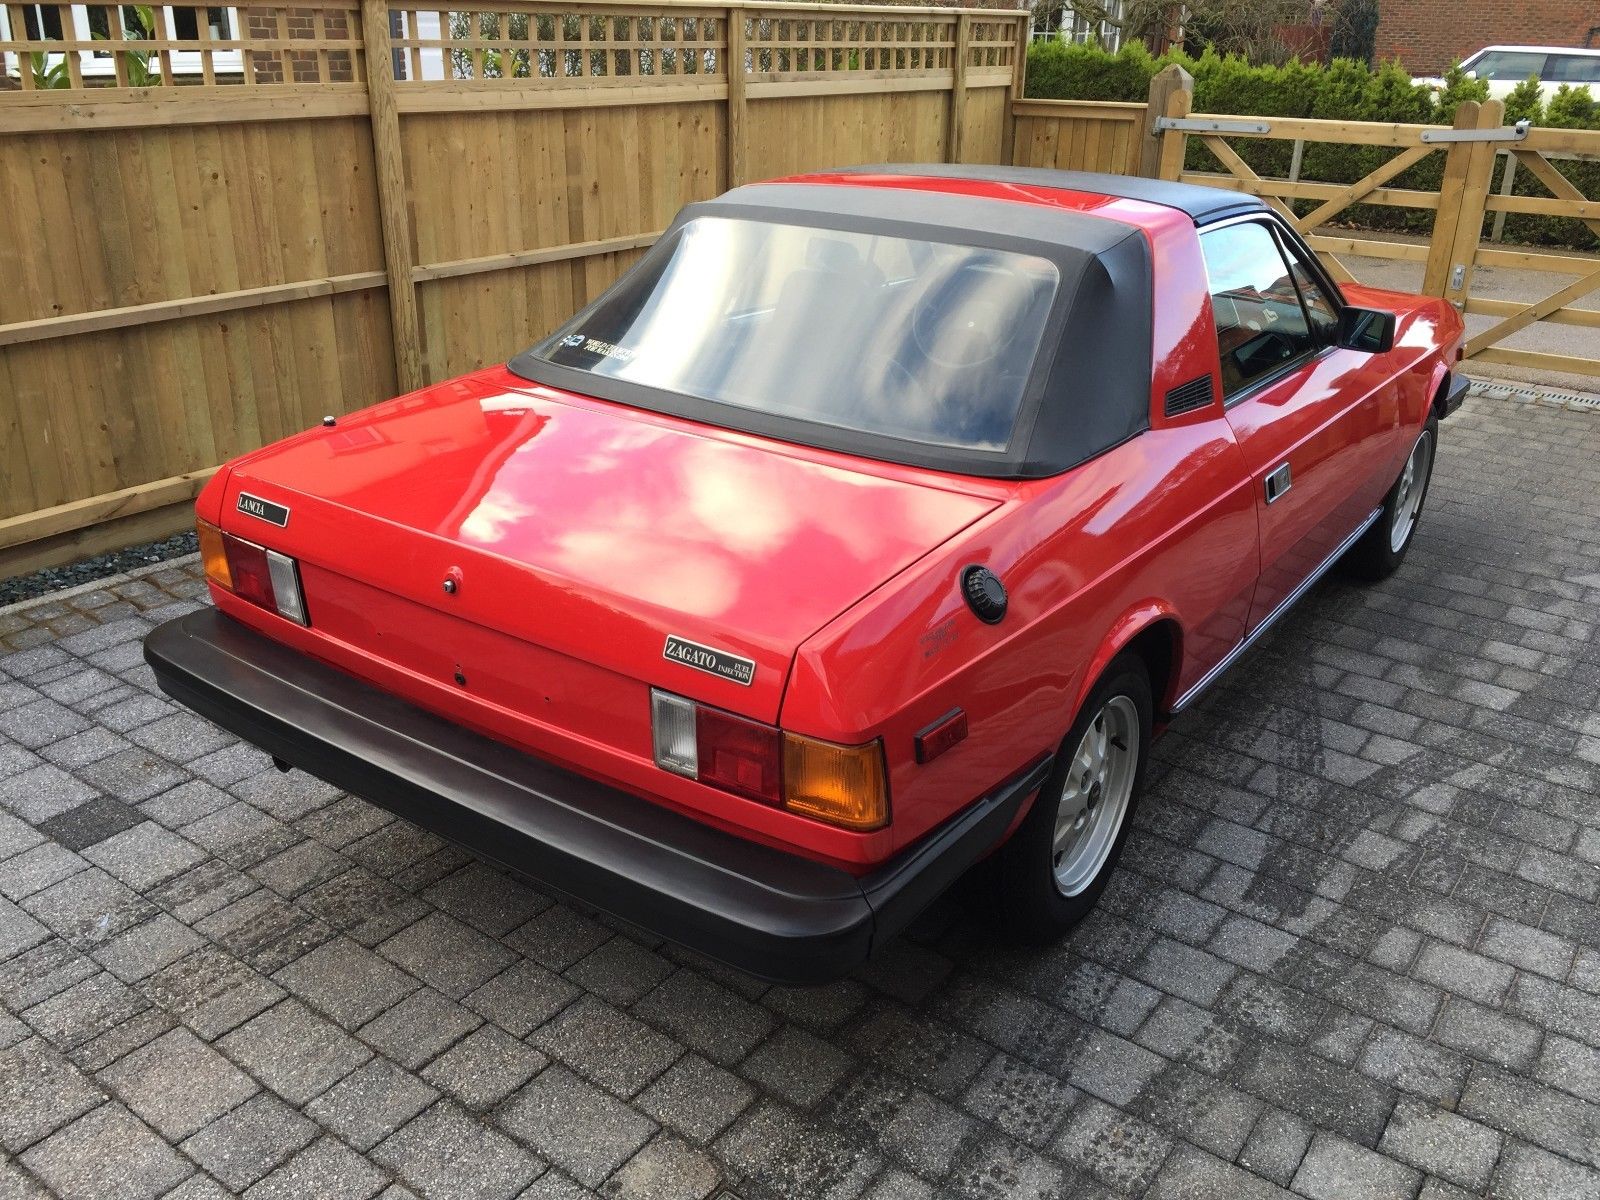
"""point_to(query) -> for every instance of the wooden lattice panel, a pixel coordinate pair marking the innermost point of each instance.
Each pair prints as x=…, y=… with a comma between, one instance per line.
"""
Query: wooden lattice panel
x=814, y=45
x=73, y=47
x=992, y=44
x=561, y=46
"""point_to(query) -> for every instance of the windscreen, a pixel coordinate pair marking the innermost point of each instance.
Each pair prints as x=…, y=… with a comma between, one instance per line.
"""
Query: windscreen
x=923, y=340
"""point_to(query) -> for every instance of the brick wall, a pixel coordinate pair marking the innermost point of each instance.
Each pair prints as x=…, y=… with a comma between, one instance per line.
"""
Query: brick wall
x=297, y=24
x=1429, y=35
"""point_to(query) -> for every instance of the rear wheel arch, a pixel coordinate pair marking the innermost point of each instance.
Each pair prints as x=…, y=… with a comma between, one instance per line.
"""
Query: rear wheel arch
x=1155, y=636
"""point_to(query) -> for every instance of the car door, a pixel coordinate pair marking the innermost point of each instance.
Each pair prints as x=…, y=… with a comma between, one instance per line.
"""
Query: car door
x=1315, y=423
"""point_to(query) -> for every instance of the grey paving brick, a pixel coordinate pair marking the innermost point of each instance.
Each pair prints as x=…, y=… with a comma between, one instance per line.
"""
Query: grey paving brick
x=180, y=737
x=445, y=1151
x=522, y=997
x=141, y=951
x=484, y=1067
x=40, y=1091
x=34, y=870
x=1527, y=948
x=1548, y=1118
x=1335, y=1169
x=1484, y=1034
x=1463, y=972
x=1028, y=1103
x=178, y=1084
x=42, y=792
x=1276, y=1146
x=42, y=971
x=559, y=937
x=487, y=899
x=451, y=956
x=620, y=971
x=783, y=1156
x=1442, y=1143
x=85, y=1011
x=366, y=907
x=1212, y=1114
x=668, y=1168
x=1191, y=1174
x=301, y=866
x=796, y=1066
x=419, y=1028
x=106, y=1154
x=131, y=775
x=346, y=982
x=250, y=1141
x=1183, y=971
x=696, y=1098
x=1325, y=1094
x=370, y=1103
x=241, y=834
x=1571, y=1066
x=607, y=1045
x=91, y=823
x=264, y=930
x=705, y=1016
x=285, y=795
x=1413, y=1065
x=1118, y=1150
x=1528, y=1173
x=325, y=1169
x=40, y=722
x=574, y=1125
x=293, y=1051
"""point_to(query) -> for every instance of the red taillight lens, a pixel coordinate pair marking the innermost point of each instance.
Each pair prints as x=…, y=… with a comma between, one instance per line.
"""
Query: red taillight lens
x=738, y=755
x=252, y=577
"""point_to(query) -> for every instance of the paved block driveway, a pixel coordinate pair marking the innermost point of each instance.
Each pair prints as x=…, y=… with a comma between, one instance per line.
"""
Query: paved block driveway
x=1354, y=951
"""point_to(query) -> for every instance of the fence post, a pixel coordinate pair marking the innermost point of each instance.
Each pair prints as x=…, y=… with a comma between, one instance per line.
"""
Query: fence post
x=1019, y=81
x=958, y=87
x=388, y=158
x=736, y=98
x=1168, y=81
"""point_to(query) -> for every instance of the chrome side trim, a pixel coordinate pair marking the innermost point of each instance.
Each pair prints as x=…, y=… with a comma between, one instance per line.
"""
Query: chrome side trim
x=1284, y=606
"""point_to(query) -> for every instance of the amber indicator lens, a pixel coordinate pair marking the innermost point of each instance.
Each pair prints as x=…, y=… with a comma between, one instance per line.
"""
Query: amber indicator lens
x=842, y=785
x=214, y=554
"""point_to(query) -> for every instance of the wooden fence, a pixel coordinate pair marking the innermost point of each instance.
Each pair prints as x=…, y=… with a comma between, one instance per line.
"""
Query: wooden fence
x=223, y=225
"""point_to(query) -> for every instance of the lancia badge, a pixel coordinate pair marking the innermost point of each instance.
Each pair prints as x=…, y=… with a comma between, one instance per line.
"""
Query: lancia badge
x=263, y=510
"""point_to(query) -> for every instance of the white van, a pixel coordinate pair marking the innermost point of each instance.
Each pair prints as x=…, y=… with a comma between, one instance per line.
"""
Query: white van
x=1503, y=67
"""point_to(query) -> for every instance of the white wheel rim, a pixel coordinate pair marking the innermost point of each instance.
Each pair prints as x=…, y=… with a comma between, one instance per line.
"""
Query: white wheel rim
x=1409, y=493
x=1094, y=796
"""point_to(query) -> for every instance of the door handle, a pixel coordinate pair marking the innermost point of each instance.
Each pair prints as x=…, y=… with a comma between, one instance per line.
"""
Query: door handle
x=1278, y=482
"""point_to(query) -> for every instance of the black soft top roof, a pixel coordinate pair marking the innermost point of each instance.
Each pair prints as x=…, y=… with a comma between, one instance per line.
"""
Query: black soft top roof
x=1088, y=389
x=1202, y=204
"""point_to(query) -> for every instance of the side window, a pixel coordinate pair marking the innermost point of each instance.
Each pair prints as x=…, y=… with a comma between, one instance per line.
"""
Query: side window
x=1511, y=66
x=1321, y=309
x=1260, y=324
x=1573, y=68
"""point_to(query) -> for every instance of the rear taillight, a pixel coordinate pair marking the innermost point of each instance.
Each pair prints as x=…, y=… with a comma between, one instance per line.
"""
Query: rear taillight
x=263, y=577
x=842, y=785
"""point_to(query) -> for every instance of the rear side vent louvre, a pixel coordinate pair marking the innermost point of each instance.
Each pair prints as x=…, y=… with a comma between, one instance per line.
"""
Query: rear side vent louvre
x=1187, y=397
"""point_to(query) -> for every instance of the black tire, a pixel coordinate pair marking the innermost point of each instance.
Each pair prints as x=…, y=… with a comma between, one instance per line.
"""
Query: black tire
x=1023, y=872
x=1376, y=556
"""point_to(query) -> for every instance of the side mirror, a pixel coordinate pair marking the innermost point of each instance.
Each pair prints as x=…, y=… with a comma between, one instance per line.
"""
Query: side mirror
x=1473, y=74
x=1367, y=329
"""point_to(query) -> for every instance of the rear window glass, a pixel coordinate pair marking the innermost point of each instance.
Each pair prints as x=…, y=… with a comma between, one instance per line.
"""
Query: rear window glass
x=923, y=340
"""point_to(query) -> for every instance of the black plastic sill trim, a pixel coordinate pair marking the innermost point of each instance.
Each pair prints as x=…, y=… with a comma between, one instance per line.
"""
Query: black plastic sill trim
x=775, y=915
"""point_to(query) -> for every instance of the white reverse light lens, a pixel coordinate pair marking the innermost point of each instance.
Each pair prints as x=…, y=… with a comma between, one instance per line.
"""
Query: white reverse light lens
x=672, y=722
x=286, y=586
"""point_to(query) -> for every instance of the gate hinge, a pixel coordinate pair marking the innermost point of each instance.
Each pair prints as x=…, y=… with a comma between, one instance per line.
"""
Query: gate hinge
x=1207, y=125
x=1506, y=133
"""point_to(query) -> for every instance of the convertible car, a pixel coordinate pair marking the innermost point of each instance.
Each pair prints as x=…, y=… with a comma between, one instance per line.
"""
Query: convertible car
x=868, y=528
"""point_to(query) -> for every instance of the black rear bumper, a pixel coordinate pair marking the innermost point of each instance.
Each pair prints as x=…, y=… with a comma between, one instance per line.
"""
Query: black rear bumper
x=773, y=914
x=1455, y=393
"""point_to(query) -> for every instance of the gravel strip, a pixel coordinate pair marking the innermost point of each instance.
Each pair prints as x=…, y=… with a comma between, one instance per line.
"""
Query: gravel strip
x=88, y=570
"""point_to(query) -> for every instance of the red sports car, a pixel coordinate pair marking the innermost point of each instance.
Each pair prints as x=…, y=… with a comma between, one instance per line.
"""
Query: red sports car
x=870, y=526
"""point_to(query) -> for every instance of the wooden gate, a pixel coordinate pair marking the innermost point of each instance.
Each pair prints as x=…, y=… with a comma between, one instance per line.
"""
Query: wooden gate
x=1455, y=245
